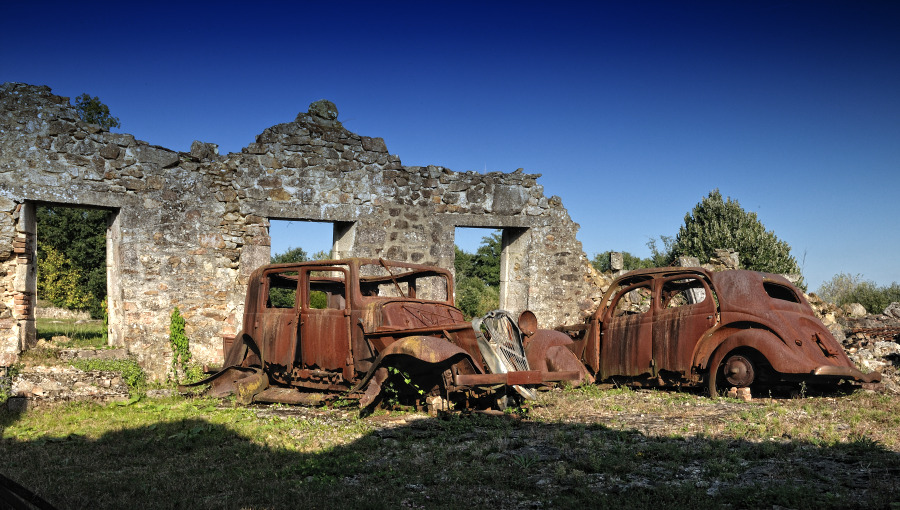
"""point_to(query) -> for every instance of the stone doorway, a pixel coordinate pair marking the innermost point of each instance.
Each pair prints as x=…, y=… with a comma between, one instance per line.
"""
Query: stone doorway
x=27, y=273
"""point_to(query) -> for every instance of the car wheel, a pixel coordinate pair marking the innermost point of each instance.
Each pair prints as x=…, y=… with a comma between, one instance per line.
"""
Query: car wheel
x=739, y=371
x=735, y=369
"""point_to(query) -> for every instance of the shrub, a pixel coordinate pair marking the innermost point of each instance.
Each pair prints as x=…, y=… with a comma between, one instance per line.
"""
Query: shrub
x=844, y=288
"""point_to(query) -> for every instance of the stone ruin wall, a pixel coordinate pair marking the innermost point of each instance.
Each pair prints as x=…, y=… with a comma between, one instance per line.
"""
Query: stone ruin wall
x=186, y=229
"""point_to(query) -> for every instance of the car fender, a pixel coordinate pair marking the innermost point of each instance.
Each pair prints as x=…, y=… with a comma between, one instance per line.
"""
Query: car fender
x=550, y=351
x=758, y=338
x=428, y=349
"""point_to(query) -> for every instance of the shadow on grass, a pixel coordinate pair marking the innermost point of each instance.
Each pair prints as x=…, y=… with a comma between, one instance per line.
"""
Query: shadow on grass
x=459, y=461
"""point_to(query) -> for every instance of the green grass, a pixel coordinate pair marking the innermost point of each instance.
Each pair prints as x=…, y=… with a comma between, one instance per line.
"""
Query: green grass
x=200, y=453
x=84, y=335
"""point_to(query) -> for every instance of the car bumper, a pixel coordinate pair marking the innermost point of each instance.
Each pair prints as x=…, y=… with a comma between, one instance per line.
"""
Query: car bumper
x=847, y=372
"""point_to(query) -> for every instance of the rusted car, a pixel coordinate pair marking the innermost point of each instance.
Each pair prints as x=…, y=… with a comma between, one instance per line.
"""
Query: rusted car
x=319, y=330
x=728, y=329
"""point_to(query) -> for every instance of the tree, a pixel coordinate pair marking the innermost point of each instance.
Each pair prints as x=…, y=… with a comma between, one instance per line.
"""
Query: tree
x=92, y=111
x=716, y=223
x=486, y=261
x=59, y=281
x=79, y=237
x=475, y=298
x=290, y=255
x=478, y=277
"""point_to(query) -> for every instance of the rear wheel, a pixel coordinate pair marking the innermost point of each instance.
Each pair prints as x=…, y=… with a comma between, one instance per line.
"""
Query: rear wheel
x=735, y=369
x=739, y=370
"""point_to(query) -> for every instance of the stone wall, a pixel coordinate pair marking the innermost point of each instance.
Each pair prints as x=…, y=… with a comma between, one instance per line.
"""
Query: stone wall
x=186, y=229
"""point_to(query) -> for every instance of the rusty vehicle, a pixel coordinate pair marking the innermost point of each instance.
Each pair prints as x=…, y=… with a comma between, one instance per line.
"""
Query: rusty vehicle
x=320, y=330
x=671, y=326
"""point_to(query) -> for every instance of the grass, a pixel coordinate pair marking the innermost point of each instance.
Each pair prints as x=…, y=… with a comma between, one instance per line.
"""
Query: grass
x=603, y=448
x=81, y=334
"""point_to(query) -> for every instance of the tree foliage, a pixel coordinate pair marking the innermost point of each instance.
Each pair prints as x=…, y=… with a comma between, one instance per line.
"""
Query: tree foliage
x=486, y=261
x=92, y=111
x=716, y=223
x=290, y=255
x=845, y=288
x=283, y=298
x=298, y=255
x=78, y=236
x=476, y=298
x=59, y=280
x=478, y=277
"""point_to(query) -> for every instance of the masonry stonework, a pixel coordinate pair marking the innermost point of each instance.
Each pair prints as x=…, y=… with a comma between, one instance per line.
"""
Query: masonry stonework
x=187, y=228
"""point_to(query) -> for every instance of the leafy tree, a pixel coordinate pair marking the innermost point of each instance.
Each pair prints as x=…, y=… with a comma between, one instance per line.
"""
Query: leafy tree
x=283, y=298
x=290, y=255
x=659, y=255
x=79, y=236
x=92, y=111
x=298, y=255
x=486, y=261
x=478, y=277
x=462, y=263
x=716, y=223
x=475, y=298
x=59, y=281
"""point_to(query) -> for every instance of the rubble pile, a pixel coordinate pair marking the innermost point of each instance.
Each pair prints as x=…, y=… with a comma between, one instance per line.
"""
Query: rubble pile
x=871, y=341
x=55, y=380
x=42, y=385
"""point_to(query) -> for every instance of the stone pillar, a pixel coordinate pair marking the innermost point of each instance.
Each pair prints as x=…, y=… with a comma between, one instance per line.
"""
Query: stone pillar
x=25, y=248
x=114, y=297
x=514, y=278
x=344, y=239
x=616, y=261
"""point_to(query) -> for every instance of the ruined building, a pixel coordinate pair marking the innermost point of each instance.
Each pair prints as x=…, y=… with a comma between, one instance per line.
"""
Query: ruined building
x=186, y=229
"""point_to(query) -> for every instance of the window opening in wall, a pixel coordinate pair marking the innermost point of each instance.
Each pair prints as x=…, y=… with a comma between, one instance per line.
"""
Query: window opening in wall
x=302, y=240
x=71, y=272
x=478, y=254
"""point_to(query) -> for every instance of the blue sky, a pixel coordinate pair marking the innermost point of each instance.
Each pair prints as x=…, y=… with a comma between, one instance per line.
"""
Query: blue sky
x=632, y=111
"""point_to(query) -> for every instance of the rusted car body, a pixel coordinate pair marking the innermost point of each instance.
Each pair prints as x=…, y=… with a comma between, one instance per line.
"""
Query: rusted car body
x=317, y=330
x=729, y=328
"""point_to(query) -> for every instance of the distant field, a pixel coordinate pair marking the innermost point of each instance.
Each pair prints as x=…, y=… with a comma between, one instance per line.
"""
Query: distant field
x=82, y=334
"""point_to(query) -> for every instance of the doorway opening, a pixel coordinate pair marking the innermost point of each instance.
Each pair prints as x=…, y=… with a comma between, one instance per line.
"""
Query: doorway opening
x=490, y=272
x=72, y=272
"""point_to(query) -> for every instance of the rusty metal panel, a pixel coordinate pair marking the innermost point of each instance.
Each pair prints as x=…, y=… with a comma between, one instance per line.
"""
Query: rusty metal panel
x=626, y=343
x=276, y=335
x=680, y=322
x=324, y=339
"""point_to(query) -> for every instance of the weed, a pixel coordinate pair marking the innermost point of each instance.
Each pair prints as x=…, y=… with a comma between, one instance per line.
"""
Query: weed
x=178, y=341
x=525, y=461
x=7, y=374
x=132, y=373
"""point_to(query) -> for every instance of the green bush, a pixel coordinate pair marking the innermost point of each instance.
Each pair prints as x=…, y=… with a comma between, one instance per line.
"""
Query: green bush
x=844, y=288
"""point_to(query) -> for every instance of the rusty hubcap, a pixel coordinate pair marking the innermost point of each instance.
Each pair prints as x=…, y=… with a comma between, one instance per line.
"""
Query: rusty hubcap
x=739, y=371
